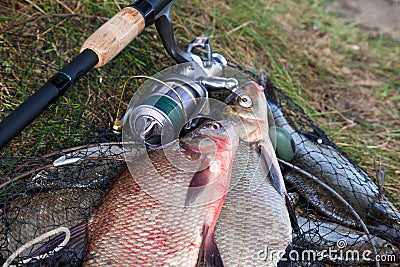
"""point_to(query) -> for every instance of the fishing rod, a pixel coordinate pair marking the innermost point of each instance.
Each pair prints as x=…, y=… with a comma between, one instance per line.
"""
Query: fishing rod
x=100, y=48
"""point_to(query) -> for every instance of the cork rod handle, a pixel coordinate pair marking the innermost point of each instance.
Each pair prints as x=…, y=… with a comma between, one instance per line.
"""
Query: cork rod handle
x=115, y=34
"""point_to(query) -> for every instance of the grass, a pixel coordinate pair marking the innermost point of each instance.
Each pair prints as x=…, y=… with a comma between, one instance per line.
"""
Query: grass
x=352, y=94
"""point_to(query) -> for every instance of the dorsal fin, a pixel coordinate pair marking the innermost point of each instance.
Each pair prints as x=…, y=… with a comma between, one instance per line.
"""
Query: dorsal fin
x=380, y=177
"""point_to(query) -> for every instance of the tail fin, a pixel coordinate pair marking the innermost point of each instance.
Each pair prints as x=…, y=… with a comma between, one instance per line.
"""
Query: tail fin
x=209, y=252
x=73, y=252
x=269, y=87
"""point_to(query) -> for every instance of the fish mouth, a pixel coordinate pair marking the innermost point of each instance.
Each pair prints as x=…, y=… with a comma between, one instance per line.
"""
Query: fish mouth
x=249, y=124
x=199, y=145
x=206, y=144
x=210, y=140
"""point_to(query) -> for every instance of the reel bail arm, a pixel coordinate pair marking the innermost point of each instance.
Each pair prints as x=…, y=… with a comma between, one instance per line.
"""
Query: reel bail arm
x=165, y=31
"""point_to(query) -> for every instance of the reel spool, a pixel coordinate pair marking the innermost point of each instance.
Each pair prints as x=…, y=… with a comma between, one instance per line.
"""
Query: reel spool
x=174, y=101
x=170, y=105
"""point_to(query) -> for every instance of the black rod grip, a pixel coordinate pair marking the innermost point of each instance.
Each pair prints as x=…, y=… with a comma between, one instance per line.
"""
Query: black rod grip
x=46, y=95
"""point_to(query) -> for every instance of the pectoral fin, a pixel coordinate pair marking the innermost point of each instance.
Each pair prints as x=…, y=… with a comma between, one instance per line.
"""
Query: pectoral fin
x=292, y=215
x=196, y=186
x=274, y=173
x=276, y=179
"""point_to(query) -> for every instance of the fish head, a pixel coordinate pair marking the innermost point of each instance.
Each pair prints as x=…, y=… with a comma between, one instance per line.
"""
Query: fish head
x=211, y=137
x=248, y=103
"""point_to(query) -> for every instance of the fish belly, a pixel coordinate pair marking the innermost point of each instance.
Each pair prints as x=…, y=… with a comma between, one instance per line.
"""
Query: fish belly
x=144, y=222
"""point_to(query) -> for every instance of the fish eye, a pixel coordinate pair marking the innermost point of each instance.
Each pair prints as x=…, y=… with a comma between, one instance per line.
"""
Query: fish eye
x=214, y=126
x=245, y=101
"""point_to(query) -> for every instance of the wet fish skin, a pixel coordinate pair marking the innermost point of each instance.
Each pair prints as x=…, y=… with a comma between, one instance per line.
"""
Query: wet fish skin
x=94, y=166
x=350, y=181
x=62, y=195
x=145, y=220
x=318, y=235
x=324, y=235
x=254, y=215
x=250, y=218
x=322, y=199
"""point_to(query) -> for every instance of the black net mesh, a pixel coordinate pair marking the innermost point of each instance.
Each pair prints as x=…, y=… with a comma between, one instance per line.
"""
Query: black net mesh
x=36, y=195
x=55, y=172
x=340, y=207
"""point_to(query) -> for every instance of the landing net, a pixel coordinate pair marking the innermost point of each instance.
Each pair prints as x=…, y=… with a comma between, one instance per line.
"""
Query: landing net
x=57, y=170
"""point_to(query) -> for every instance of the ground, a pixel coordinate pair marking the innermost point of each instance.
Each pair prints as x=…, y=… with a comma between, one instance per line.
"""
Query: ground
x=383, y=16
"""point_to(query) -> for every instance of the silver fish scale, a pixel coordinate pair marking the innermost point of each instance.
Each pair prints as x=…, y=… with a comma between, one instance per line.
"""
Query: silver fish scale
x=346, y=178
x=325, y=235
x=324, y=200
x=134, y=223
x=142, y=221
x=254, y=220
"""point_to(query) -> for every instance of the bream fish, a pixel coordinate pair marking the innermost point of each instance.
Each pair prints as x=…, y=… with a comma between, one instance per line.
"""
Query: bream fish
x=254, y=217
x=63, y=194
x=165, y=213
x=324, y=201
x=320, y=236
x=29, y=217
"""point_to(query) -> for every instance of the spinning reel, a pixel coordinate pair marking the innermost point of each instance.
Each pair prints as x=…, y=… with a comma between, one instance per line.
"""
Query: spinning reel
x=175, y=98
